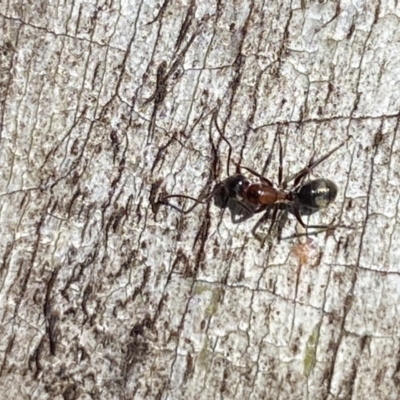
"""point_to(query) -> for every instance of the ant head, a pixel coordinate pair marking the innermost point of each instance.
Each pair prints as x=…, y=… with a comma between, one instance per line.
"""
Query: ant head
x=232, y=188
x=236, y=185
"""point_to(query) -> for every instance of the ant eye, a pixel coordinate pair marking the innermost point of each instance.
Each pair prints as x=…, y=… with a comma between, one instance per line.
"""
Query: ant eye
x=241, y=187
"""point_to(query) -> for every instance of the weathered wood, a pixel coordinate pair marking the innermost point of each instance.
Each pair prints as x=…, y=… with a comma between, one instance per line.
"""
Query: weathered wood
x=105, y=107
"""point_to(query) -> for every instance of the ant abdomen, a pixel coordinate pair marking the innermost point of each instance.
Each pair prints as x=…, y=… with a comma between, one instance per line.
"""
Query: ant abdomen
x=317, y=194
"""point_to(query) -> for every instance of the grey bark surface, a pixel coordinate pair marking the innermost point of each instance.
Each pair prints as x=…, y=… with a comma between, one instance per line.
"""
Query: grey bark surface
x=105, y=107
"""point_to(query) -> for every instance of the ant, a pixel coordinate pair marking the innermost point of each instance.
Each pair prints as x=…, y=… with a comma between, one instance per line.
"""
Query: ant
x=305, y=198
x=245, y=198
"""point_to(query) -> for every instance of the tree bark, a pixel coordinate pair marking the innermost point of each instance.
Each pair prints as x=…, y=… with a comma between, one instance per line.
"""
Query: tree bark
x=106, y=108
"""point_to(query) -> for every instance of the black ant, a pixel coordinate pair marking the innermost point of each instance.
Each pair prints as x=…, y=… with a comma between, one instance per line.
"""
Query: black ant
x=305, y=198
x=245, y=198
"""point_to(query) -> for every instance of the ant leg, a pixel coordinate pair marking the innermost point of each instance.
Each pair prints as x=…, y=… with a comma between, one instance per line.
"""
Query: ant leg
x=280, y=173
x=305, y=171
x=273, y=220
x=301, y=222
x=269, y=158
x=283, y=217
x=298, y=217
x=262, y=178
x=243, y=218
x=240, y=219
x=261, y=220
x=264, y=218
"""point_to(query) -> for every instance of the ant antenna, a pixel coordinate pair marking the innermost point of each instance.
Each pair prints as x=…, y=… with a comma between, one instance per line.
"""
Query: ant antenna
x=183, y=196
x=218, y=188
x=223, y=137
